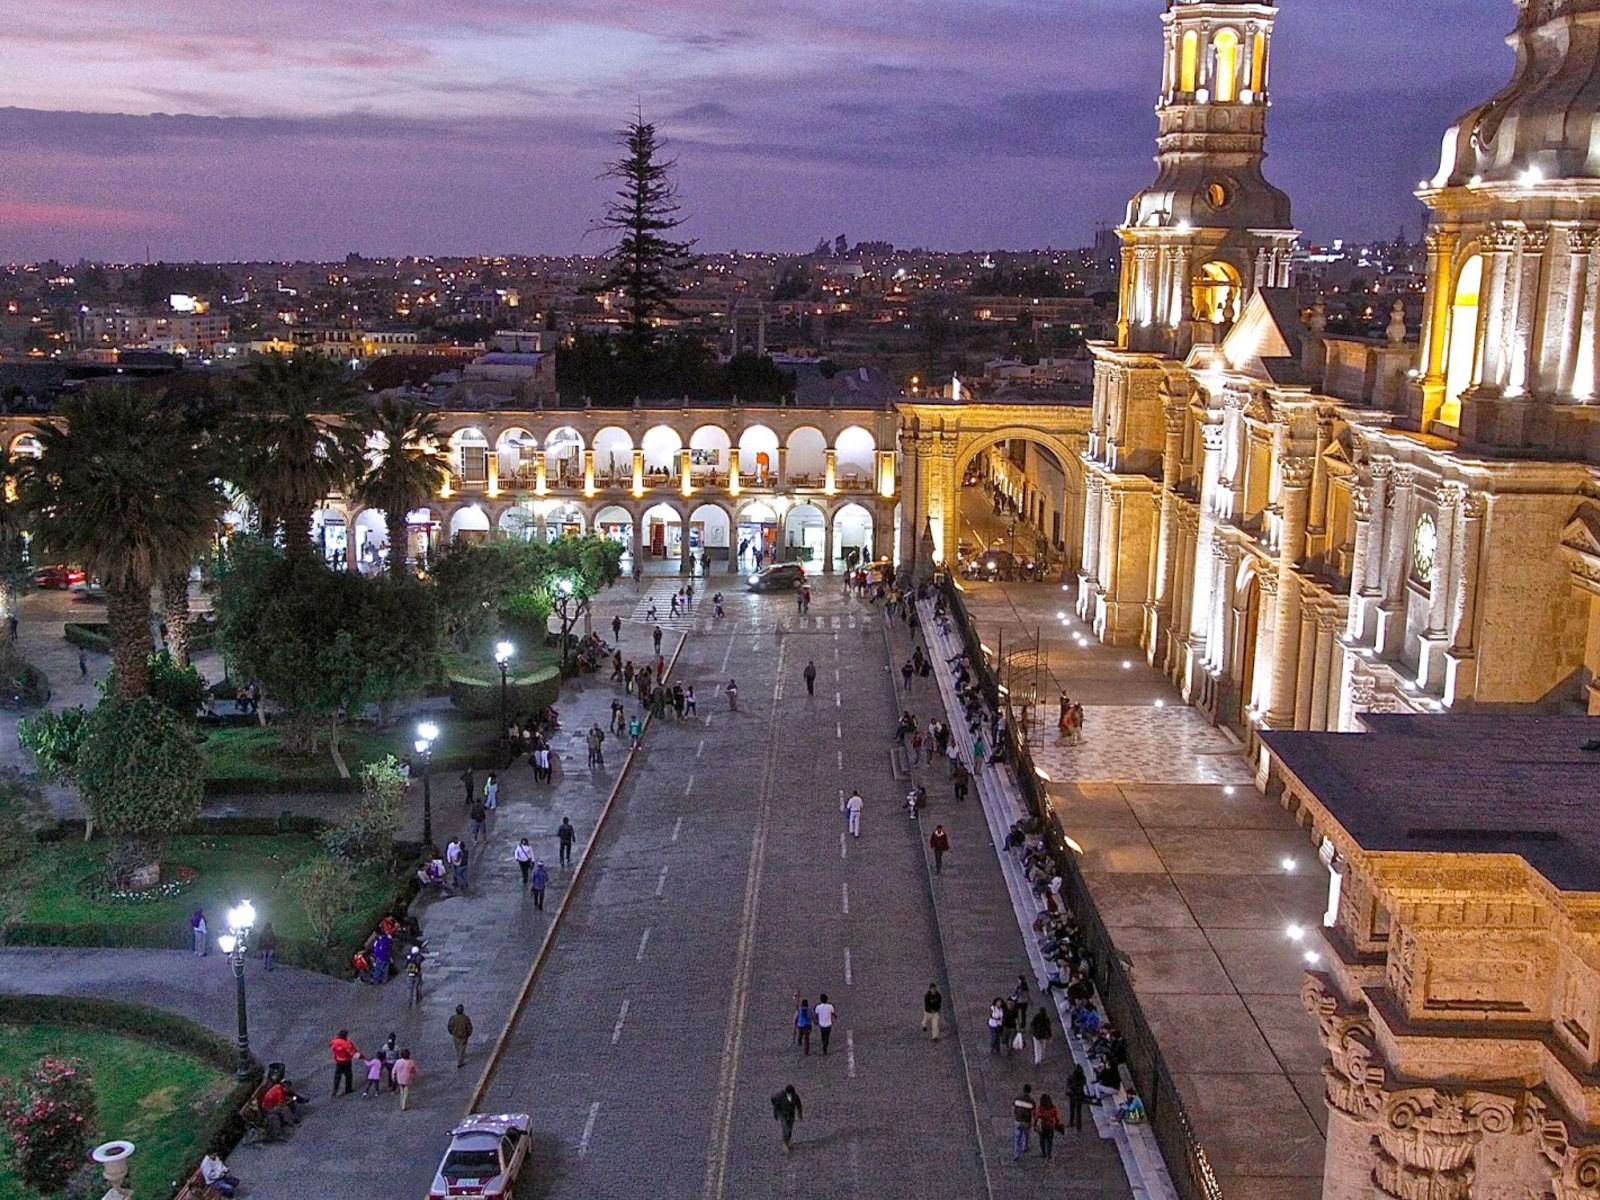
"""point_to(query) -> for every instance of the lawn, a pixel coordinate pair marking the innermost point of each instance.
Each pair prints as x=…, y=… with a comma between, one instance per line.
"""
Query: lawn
x=157, y=1098
x=526, y=665
x=230, y=868
x=254, y=752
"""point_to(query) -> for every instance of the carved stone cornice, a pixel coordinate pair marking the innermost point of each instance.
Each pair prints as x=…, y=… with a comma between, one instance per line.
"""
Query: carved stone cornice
x=1363, y=691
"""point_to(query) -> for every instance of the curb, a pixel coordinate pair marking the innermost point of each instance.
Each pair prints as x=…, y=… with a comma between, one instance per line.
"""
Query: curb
x=537, y=967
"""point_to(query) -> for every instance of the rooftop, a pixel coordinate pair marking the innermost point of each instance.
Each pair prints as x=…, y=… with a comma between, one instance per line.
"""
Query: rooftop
x=1462, y=784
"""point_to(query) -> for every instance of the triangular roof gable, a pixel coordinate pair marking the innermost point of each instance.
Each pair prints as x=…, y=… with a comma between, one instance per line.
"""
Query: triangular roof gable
x=1583, y=531
x=1269, y=329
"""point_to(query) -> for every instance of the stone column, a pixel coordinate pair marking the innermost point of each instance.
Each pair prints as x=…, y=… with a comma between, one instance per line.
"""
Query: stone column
x=1528, y=322
x=1460, y=682
x=783, y=466
x=1361, y=504
x=1381, y=469
x=830, y=472
x=734, y=465
x=827, y=544
x=685, y=474
x=1294, y=499
x=1580, y=243
x=1392, y=613
x=638, y=473
x=588, y=472
x=493, y=463
x=636, y=541
x=1227, y=561
x=1110, y=570
x=1430, y=661
x=541, y=485
x=1167, y=538
x=1500, y=240
x=1305, y=672
x=1089, y=576
x=1436, y=328
x=1322, y=680
x=685, y=550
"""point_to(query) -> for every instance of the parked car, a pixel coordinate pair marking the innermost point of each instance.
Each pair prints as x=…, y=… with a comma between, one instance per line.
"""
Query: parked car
x=58, y=575
x=88, y=590
x=485, y=1156
x=780, y=577
x=991, y=566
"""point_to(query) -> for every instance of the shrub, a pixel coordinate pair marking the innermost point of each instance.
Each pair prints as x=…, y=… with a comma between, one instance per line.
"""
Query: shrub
x=528, y=694
x=368, y=836
x=48, y=1120
x=137, y=769
x=323, y=886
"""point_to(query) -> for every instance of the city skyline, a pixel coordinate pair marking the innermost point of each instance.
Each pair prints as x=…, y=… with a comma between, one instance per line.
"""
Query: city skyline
x=483, y=126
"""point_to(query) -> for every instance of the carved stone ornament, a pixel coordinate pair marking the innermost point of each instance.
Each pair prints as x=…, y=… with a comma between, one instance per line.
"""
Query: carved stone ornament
x=1575, y=1170
x=1535, y=241
x=1381, y=467
x=1363, y=692
x=1402, y=967
x=1427, y=1137
x=1361, y=502
x=1581, y=239
x=1500, y=238
x=1354, y=1082
x=1296, y=472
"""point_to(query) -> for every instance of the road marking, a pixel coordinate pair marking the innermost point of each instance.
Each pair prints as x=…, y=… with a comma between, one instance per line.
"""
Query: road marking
x=855, y=1166
x=622, y=1016
x=838, y=700
x=708, y=726
x=850, y=1055
x=701, y=748
x=846, y=887
x=689, y=787
x=728, y=654
x=588, y=1129
x=841, y=845
x=644, y=940
x=838, y=730
x=744, y=965
x=661, y=881
x=849, y=974
x=836, y=674
x=677, y=828
x=839, y=754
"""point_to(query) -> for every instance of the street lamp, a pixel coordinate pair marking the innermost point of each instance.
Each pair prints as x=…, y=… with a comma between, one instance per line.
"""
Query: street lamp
x=426, y=733
x=502, y=658
x=564, y=591
x=241, y=920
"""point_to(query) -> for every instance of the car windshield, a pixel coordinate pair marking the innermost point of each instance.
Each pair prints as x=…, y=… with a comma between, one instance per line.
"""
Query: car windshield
x=471, y=1164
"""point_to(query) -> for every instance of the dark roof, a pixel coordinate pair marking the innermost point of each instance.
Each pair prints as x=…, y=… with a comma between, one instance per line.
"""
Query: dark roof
x=1462, y=784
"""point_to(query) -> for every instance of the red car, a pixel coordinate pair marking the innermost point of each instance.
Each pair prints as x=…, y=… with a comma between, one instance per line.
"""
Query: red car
x=58, y=576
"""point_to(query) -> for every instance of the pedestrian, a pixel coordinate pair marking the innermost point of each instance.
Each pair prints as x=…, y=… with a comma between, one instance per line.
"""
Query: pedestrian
x=344, y=1056
x=1019, y=997
x=674, y=609
x=997, y=1017
x=595, y=740
x=405, y=1076
x=453, y=859
x=688, y=701
x=524, y=856
x=823, y=1014
x=1077, y=1094
x=83, y=662
x=619, y=717
x=459, y=1027
x=939, y=843
x=267, y=943
x=906, y=672
x=628, y=674
x=413, y=977
x=374, y=1083
x=932, y=1004
x=635, y=732
x=732, y=691
x=802, y=1026
x=197, y=931
x=566, y=835
x=1010, y=1026
x=963, y=778
x=655, y=636
x=616, y=629
x=1022, y=1109
x=479, y=815
x=469, y=783
x=786, y=1108
x=716, y=604
x=539, y=880
x=1047, y=1120
x=541, y=763
x=852, y=810
x=811, y=678
x=1039, y=1028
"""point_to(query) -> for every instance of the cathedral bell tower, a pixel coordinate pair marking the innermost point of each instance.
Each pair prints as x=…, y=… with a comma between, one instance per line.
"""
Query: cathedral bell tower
x=1211, y=230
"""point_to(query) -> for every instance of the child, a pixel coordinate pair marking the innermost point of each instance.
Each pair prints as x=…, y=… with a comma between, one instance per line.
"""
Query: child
x=374, y=1076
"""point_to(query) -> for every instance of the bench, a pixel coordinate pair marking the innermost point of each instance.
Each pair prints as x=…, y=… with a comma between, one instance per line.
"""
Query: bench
x=196, y=1188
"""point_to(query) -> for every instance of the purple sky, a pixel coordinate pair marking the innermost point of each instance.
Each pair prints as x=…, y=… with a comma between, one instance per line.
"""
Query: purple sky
x=306, y=129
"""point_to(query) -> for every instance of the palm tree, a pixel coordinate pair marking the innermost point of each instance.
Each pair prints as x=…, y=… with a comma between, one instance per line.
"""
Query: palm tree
x=295, y=440
x=406, y=471
x=125, y=487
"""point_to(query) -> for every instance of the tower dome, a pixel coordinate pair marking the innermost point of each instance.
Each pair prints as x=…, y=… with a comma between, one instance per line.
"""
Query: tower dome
x=1545, y=123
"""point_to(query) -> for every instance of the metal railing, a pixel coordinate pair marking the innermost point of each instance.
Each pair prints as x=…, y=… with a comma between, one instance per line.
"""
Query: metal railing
x=1191, y=1171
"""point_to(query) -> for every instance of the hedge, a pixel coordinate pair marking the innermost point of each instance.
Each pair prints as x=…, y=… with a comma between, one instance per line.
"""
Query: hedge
x=92, y=635
x=530, y=693
x=223, y=1129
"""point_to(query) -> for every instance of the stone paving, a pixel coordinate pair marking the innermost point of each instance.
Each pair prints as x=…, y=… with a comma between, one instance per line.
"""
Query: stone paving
x=1199, y=878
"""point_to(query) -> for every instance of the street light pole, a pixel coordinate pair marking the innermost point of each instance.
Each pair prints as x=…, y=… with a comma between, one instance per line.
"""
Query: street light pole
x=502, y=657
x=235, y=944
x=563, y=607
x=426, y=733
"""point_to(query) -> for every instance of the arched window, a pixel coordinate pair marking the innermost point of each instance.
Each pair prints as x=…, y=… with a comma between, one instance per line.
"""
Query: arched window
x=1216, y=293
x=1226, y=89
x=1461, y=359
x=1258, y=67
x=1189, y=63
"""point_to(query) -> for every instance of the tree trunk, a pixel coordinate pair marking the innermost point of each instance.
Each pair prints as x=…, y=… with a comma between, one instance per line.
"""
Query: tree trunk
x=175, y=600
x=128, y=614
x=396, y=523
x=297, y=533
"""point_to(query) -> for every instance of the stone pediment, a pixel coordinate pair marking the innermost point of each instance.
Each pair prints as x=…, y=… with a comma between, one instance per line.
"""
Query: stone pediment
x=1266, y=340
x=1583, y=531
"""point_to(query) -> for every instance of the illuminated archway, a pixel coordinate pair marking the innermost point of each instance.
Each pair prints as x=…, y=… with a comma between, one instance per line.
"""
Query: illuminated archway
x=1217, y=292
x=613, y=454
x=758, y=454
x=804, y=535
x=1226, y=43
x=1461, y=356
x=661, y=445
x=852, y=532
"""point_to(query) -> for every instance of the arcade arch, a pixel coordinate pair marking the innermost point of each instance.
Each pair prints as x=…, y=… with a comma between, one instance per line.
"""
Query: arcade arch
x=613, y=454
x=852, y=533
x=661, y=445
x=518, y=449
x=759, y=533
x=855, y=457
x=563, y=452
x=758, y=454
x=469, y=455
x=663, y=532
x=805, y=535
x=808, y=457
x=708, y=450
x=709, y=530
x=469, y=523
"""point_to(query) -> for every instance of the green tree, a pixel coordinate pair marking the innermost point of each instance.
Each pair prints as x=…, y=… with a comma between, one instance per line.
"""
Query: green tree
x=407, y=470
x=125, y=487
x=368, y=835
x=323, y=886
x=295, y=440
x=517, y=583
x=137, y=769
x=642, y=214
x=179, y=688
x=49, y=1119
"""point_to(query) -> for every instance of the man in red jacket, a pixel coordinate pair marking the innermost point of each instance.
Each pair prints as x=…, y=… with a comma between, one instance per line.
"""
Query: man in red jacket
x=344, y=1057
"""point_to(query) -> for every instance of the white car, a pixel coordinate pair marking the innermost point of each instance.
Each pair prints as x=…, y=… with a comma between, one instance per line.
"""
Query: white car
x=486, y=1153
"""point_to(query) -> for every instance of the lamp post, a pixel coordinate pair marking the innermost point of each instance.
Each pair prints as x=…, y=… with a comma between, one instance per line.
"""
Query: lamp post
x=502, y=658
x=241, y=920
x=426, y=733
x=564, y=590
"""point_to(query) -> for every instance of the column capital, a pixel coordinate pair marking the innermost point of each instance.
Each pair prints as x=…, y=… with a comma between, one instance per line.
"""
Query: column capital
x=1501, y=237
x=1213, y=435
x=1381, y=466
x=1451, y=496
x=1296, y=471
x=1535, y=241
x=1361, y=502
x=1329, y=620
x=1581, y=239
x=1353, y=1081
x=1405, y=477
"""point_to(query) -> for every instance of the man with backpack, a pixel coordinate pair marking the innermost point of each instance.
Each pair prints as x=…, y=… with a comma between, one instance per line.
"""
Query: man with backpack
x=786, y=1110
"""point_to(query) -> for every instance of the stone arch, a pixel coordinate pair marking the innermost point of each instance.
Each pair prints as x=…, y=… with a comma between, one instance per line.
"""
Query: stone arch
x=26, y=445
x=469, y=454
x=613, y=454
x=854, y=527
x=518, y=451
x=662, y=527
x=855, y=453
x=806, y=448
x=564, y=518
x=1069, y=543
x=370, y=542
x=805, y=534
x=710, y=530
x=709, y=447
x=759, y=527
x=758, y=454
x=661, y=445
x=563, y=454
x=470, y=522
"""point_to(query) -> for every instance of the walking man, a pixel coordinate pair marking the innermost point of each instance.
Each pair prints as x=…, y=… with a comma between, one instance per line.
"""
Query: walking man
x=786, y=1108
x=405, y=1074
x=932, y=1003
x=823, y=1014
x=413, y=977
x=1077, y=1094
x=963, y=778
x=566, y=835
x=524, y=856
x=939, y=843
x=616, y=629
x=541, y=879
x=344, y=1057
x=460, y=1029
x=811, y=678
x=656, y=637
x=852, y=809
x=468, y=783
x=1022, y=1118
x=479, y=815
x=1039, y=1028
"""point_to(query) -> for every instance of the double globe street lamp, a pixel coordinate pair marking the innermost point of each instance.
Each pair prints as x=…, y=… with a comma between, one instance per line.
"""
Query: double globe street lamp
x=503, y=653
x=241, y=919
x=427, y=733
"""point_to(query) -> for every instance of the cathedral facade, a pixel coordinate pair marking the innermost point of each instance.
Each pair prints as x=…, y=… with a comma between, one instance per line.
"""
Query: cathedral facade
x=1298, y=527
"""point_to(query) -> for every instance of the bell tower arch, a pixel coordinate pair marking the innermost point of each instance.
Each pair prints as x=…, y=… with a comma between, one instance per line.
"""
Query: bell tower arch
x=1210, y=230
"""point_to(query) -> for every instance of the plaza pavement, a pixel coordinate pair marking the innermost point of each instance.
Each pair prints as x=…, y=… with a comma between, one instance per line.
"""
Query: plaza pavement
x=721, y=888
x=1198, y=878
